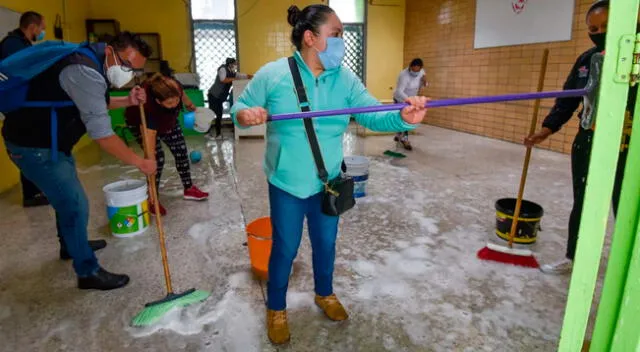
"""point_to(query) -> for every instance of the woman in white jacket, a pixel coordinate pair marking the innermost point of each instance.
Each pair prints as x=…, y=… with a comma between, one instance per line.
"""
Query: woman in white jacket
x=410, y=82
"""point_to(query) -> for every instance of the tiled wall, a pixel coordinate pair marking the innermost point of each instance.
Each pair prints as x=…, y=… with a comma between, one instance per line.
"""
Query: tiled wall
x=441, y=32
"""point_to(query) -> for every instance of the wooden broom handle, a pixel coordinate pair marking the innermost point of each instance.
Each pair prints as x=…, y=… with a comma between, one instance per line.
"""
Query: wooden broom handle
x=156, y=204
x=527, y=157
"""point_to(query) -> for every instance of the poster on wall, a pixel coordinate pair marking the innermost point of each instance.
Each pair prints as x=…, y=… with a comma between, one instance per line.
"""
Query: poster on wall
x=515, y=22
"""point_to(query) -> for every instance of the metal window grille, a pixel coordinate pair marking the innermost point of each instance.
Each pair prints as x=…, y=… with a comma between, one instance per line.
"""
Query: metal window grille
x=214, y=41
x=354, y=44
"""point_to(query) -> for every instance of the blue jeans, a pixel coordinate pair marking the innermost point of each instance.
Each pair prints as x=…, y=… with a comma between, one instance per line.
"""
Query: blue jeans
x=287, y=217
x=59, y=182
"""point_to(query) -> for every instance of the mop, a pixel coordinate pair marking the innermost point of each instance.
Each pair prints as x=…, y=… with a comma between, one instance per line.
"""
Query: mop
x=508, y=254
x=154, y=311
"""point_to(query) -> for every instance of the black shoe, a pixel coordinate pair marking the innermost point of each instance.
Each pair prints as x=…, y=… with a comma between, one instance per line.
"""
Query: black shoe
x=102, y=280
x=95, y=246
x=36, y=201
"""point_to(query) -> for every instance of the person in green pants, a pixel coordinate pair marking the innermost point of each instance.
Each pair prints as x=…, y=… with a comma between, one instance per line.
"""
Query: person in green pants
x=561, y=113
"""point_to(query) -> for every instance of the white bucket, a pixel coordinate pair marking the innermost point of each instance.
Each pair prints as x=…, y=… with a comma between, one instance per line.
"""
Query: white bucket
x=358, y=169
x=204, y=117
x=127, y=207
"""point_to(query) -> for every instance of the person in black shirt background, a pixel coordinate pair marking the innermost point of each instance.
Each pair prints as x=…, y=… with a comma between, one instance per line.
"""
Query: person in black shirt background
x=561, y=113
x=32, y=28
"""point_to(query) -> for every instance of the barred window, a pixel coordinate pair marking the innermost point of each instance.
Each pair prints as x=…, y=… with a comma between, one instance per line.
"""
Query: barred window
x=214, y=41
x=214, y=37
x=352, y=14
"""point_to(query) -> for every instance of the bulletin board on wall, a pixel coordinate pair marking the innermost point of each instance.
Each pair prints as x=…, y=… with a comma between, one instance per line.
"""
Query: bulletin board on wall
x=516, y=22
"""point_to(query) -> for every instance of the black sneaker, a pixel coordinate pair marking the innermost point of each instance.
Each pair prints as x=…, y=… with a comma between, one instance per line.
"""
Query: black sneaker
x=36, y=201
x=95, y=246
x=102, y=280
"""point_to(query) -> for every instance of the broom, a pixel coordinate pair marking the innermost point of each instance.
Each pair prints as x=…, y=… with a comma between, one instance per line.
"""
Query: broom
x=510, y=255
x=154, y=311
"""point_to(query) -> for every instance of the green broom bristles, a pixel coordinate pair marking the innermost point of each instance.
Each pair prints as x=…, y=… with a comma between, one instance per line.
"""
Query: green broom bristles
x=156, y=310
x=394, y=154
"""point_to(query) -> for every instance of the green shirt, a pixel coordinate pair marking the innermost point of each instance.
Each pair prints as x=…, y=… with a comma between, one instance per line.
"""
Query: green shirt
x=288, y=162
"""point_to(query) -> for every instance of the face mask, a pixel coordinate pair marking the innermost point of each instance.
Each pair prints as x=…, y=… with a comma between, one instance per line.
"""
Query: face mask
x=40, y=36
x=117, y=76
x=598, y=39
x=332, y=56
x=414, y=74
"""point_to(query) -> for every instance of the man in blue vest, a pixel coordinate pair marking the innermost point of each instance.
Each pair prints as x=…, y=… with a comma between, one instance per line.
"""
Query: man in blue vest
x=219, y=91
x=32, y=29
x=28, y=138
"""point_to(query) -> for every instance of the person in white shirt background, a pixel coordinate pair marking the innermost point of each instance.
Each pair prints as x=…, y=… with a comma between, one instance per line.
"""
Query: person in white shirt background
x=410, y=83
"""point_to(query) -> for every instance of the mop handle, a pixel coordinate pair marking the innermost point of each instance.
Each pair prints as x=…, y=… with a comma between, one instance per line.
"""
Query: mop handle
x=434, y=104
x=527, y=157
x=156, y=203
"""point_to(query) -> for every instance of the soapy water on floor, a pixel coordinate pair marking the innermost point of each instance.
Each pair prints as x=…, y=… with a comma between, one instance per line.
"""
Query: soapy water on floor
x=430, y=281
x=232, y=322
x=422, y=276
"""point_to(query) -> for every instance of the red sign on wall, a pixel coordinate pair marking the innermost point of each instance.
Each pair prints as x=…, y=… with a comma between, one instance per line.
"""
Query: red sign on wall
x=518, y=5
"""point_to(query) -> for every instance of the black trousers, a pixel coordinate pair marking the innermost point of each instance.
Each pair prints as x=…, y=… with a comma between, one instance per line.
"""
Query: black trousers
x=580, y=157
x=29, y=189
x=215, y=104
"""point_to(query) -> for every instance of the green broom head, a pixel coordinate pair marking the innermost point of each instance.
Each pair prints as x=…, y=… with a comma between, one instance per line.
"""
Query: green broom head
x=154, y=311
x=394, y=154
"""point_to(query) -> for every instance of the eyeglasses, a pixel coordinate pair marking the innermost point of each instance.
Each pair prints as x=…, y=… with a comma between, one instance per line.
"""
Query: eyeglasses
x=126, y=65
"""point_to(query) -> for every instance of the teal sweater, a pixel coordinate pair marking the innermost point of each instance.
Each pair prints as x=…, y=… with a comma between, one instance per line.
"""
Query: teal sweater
x=288, y=160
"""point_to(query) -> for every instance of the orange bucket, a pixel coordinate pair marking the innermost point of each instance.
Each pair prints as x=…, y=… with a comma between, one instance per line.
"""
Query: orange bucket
x=259, y=243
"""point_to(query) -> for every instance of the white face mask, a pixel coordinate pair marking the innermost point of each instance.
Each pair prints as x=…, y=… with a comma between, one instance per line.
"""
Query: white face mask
x=117, y=75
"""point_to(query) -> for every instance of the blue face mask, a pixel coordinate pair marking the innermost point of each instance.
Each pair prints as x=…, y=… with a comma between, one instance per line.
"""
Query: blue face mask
x=332, y=56
x=40, y=36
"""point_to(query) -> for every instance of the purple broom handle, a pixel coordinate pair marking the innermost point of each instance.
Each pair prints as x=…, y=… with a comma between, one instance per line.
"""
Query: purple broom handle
x=434, y=104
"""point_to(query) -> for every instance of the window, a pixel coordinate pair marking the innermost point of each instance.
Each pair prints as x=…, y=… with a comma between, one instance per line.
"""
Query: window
x=214, y=37
x=352, y=13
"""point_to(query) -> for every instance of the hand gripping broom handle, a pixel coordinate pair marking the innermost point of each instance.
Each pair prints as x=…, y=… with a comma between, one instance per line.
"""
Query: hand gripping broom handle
x=527, y=157
x=434, y=104
x=156, y=204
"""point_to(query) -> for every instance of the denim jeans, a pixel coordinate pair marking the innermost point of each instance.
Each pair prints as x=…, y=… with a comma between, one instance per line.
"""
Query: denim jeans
x=287, y=218
x=59, y=182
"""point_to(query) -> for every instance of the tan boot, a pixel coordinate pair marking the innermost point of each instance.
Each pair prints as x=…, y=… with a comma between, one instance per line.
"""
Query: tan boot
x=277, y=326
x=332, y=307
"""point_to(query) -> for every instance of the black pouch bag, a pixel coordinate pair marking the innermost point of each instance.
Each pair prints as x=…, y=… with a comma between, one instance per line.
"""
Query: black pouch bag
x=338, y=193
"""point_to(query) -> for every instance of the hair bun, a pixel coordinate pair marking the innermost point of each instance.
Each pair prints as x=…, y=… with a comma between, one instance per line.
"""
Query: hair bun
x=293, y=15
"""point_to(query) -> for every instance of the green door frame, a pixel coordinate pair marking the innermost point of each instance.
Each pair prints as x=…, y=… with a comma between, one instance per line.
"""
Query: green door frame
x=614, y=87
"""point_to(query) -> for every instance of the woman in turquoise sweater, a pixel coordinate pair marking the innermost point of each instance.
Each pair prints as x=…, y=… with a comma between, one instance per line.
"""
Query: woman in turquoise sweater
x=295, y=190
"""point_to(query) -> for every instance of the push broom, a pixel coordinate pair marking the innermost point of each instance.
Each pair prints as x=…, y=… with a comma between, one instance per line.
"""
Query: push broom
x=154, y=311
x=508, y=254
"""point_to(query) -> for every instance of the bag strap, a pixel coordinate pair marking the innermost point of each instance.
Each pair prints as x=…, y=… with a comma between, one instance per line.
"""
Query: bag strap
x=308, y=123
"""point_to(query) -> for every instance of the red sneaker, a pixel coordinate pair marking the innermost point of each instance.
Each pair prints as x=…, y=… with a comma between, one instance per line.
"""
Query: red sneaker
x=152, y=209
x=194, y=193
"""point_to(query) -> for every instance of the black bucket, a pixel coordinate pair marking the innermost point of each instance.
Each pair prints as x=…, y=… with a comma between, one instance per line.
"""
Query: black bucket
x=528, y=220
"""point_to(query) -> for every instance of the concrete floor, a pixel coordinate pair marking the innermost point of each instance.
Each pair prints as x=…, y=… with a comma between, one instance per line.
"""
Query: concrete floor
x=406, y=267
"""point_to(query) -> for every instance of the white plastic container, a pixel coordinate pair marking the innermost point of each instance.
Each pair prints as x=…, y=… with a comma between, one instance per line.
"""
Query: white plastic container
x=127, y=207
x=358, y=169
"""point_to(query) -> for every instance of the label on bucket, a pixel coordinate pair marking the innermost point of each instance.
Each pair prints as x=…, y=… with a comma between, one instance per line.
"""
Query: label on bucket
x=129, y=220
x=360, y=186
